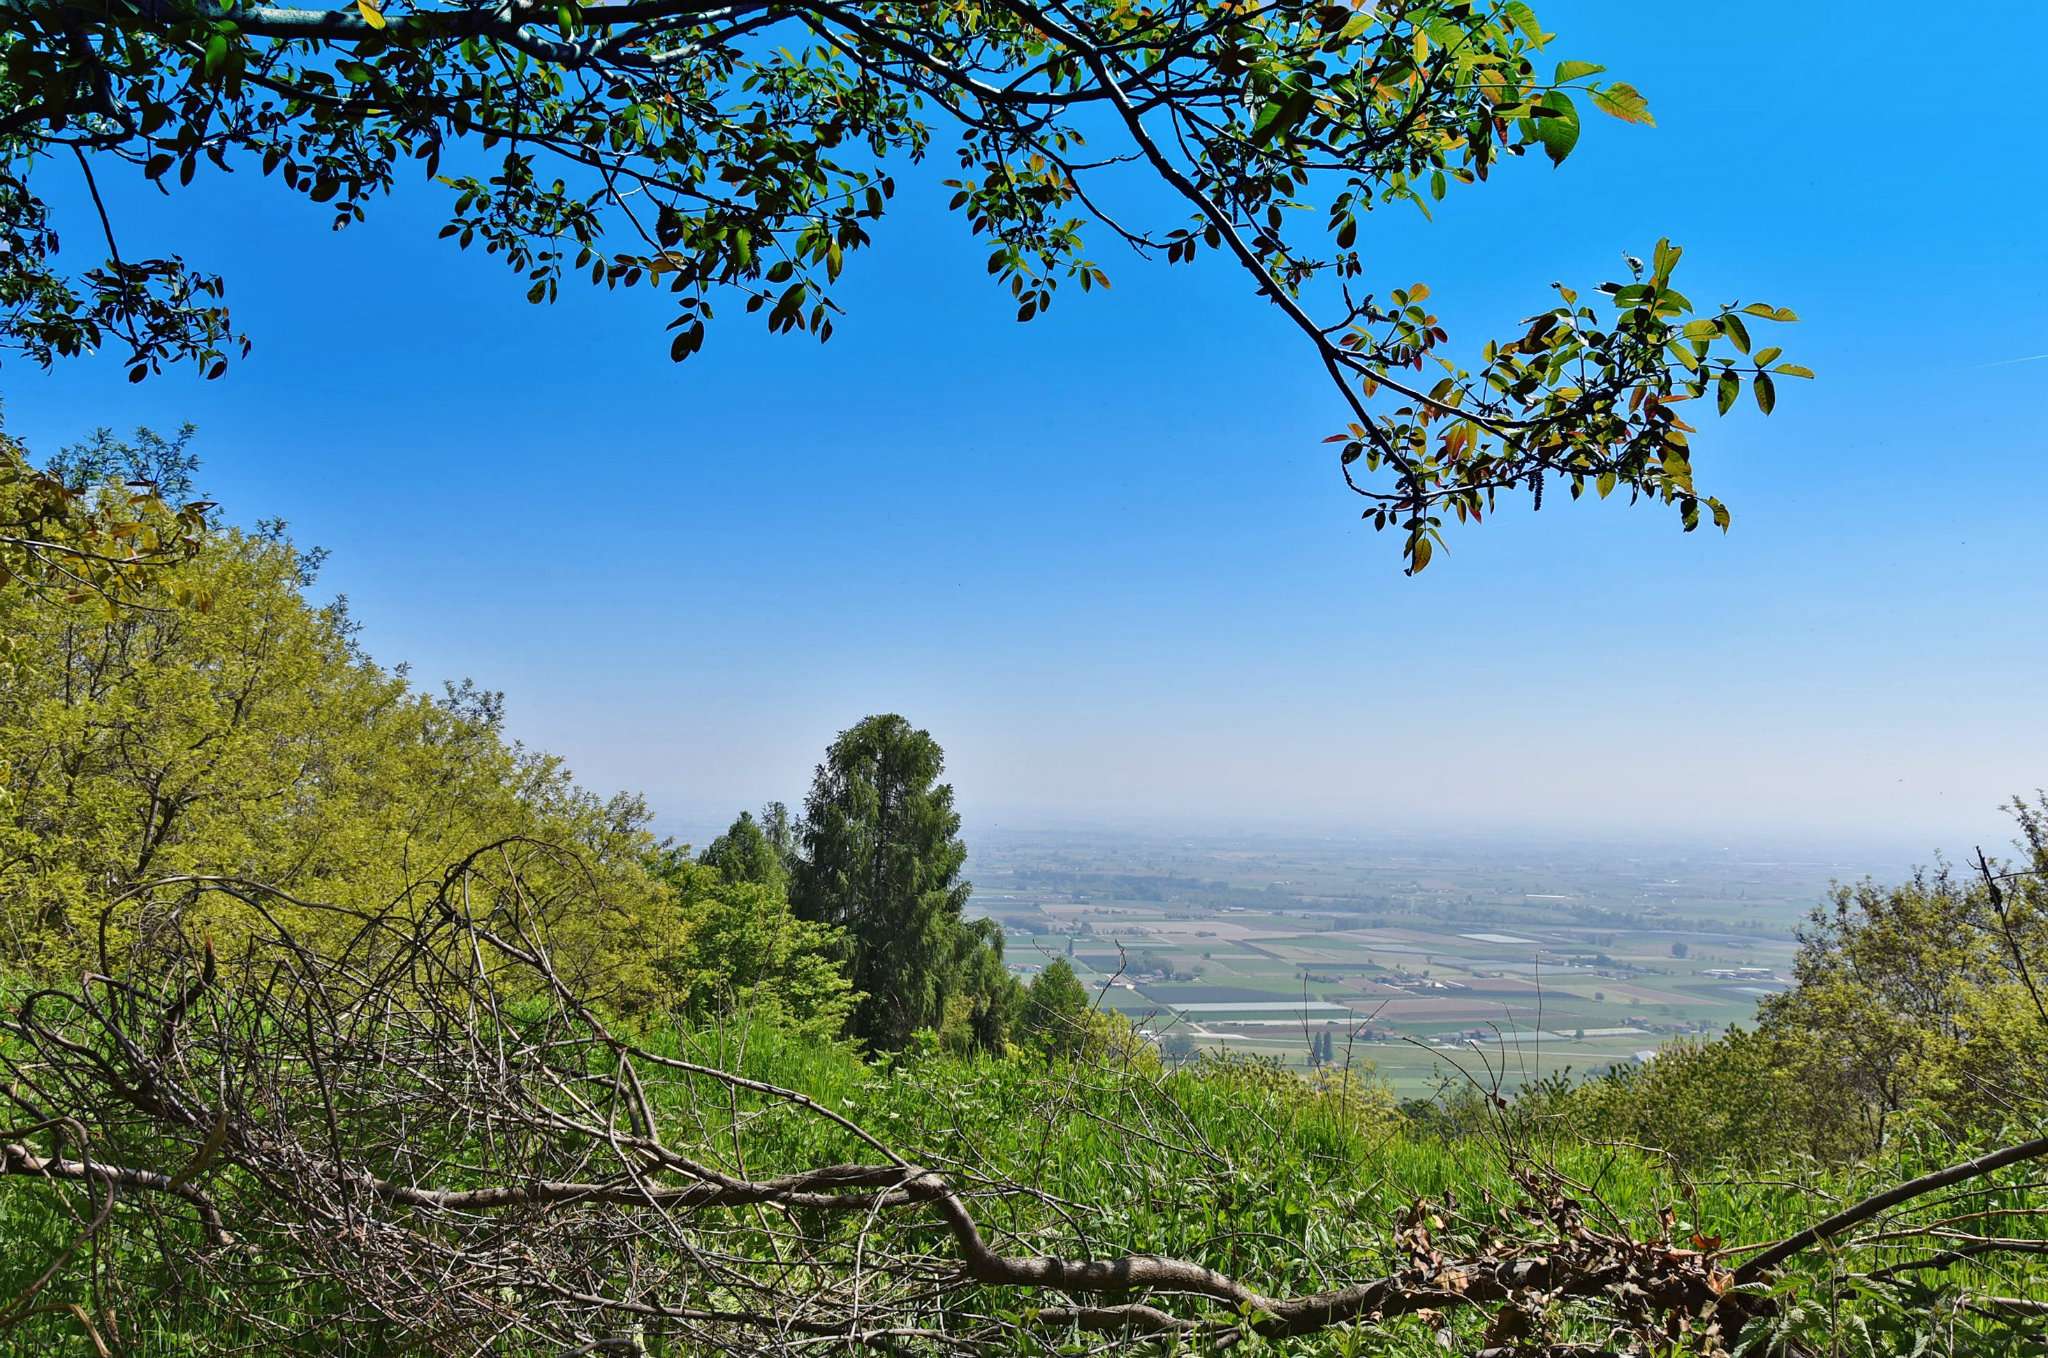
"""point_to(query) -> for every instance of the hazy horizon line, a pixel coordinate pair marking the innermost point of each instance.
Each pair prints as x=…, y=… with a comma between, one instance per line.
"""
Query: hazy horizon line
x=1875, y=846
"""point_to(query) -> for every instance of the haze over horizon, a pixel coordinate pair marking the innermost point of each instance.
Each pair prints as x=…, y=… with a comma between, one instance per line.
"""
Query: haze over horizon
x=1106, y=559
x=1849, y=852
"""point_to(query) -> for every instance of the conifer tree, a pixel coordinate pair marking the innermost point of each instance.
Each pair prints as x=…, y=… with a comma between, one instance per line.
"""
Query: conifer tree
x=882, y=861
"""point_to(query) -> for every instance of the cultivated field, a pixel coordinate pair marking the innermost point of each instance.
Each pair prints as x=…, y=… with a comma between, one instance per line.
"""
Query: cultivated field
x=1423, y=961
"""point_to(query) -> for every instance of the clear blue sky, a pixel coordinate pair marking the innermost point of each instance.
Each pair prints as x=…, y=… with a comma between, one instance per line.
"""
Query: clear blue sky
x=1104, y=556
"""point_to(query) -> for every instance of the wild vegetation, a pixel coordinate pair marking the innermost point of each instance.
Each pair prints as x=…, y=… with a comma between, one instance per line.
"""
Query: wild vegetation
x=338, y=1023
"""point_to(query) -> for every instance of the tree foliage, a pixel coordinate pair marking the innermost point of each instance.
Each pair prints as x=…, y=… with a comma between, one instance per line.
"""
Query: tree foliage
x=219, y=727
x=1054, y=1005
x=224, y=728
x=739, y=154
x=1916, y=1006
x=1928, y=994
x=882, y=860
x=980, y=1010
x=742, y=954
x=94, y=522
x=337, y=1022
x=746, y=853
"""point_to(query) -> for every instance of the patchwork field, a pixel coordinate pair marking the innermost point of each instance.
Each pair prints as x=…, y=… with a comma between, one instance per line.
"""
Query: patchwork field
x=1429, y=964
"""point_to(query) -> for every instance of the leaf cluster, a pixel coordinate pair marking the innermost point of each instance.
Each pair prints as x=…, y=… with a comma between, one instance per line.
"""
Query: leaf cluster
x=745, y=152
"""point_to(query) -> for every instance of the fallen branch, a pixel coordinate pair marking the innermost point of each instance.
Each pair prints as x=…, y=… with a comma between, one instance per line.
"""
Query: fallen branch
x=1755, y=1268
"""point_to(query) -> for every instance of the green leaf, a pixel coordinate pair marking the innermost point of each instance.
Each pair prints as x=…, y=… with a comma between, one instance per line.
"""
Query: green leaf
x=1766, y=394
x=1769, y=312
x=1568, y=71
x=1792, y=370
x=1727, y=389
x=1523, y=18
x=1555, y=124
x=1625, y=102
x=1283, y=115
x=1664, y=259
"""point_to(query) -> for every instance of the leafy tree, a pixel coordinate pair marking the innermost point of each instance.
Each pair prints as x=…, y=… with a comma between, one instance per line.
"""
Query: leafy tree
x=1921, y=1001
x=782, y=832
x=882, y=860
x=98, y=520
x=1730, y=1099
x=148, y=460
x=145, y=749
x=741, y=950
x=1680, y=950
x=1057, y=1018
x=1927, y=993
x=984, y=1003
x=745, y=153
x=1054, y=1004
x=745, y=853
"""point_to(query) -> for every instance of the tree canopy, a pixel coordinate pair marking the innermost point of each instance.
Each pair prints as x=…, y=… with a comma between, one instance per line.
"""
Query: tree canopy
x=150, y=753
x=747, y=853
x=742, y=953
x=737, y=154
x=69, y=530
x=1054, y=1006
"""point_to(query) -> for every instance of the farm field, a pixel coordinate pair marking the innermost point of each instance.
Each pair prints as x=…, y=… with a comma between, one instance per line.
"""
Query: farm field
x=1431, y=962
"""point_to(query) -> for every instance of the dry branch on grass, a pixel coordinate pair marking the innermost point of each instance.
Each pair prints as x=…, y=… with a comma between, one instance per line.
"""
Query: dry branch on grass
x=423, y=1122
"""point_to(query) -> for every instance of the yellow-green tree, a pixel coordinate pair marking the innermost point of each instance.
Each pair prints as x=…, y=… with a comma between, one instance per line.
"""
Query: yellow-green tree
x=88, y=537
x=221, y=725
x=1929, y=993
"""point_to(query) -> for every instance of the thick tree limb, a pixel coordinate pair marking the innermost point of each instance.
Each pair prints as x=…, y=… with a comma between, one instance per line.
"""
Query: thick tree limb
x=18, y=1159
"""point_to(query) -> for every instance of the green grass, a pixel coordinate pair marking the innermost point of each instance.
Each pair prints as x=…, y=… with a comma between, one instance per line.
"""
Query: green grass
x=1248, y=1171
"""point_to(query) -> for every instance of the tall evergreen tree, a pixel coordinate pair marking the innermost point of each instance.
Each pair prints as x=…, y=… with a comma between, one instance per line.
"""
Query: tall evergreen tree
x=882, y=860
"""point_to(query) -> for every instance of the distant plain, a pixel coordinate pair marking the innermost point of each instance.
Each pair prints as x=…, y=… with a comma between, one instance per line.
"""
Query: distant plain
x=1428, y=960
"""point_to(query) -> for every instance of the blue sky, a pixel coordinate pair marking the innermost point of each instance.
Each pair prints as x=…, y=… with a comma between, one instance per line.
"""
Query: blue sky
x=1104, y=556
